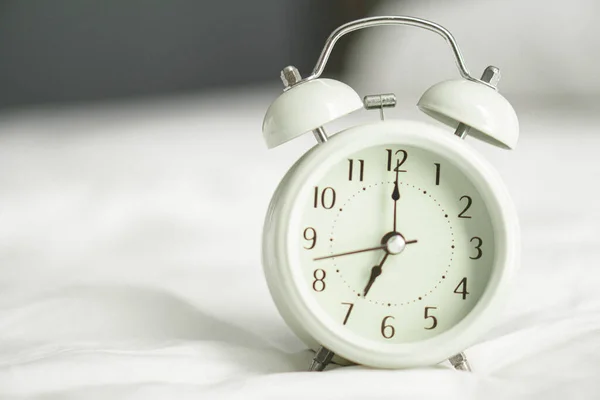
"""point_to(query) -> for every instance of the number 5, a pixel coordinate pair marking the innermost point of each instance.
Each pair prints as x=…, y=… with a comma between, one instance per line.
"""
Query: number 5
x=427, y=316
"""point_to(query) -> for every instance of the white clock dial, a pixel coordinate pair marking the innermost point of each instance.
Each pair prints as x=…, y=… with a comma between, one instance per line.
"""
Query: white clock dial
x=427, y=263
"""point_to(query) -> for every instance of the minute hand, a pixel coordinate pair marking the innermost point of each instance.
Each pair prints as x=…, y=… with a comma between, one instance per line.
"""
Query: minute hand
x=382, y=247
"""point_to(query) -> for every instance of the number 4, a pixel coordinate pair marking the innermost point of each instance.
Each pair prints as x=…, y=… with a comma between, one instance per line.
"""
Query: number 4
x=463, y=291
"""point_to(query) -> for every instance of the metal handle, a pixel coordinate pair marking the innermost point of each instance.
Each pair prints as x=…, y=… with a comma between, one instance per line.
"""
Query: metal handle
x=391, y=20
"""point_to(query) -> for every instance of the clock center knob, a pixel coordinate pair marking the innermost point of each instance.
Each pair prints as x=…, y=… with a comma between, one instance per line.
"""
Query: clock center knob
x=394, y=242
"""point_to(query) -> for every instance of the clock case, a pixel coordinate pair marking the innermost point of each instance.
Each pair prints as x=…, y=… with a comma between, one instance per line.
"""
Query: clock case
x=288, y=286
x=471, y=107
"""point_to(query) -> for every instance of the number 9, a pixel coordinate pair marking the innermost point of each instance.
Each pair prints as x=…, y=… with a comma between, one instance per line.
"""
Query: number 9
x=310, y=235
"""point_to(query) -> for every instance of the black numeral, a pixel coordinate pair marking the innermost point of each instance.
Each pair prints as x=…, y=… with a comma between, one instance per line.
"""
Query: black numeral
x=319, y=282
x=477, y=247
x=429, y=316
x=350, y=307
x=399, y=161
x=310, y=235
x=387, y=331
x=469, y=202
x=326, y=199
x=361, y=165
x=437, y=173
x=462, y=288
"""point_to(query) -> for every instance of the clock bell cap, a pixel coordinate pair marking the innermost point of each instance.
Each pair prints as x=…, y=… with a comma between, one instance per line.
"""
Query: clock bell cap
x=307, y=106
x=489, y=115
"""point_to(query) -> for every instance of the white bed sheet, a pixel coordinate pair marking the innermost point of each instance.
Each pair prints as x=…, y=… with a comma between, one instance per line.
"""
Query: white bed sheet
x=130, y=261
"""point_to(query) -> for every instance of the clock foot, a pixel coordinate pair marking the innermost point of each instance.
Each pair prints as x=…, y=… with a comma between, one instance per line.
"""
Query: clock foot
x=321, y=359
x=459, y=362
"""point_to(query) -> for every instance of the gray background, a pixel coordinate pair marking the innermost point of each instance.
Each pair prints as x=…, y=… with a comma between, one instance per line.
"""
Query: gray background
x=72, y=51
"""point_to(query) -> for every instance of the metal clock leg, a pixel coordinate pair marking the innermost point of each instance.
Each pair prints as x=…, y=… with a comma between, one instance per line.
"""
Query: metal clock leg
x=459, y=362
x=320, y=135
x=321, y=359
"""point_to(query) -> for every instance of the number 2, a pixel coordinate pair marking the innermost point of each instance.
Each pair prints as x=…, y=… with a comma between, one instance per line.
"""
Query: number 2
x=469, y=202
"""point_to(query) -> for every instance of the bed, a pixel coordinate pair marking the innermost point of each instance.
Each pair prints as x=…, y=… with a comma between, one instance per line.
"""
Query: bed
x=118, y=278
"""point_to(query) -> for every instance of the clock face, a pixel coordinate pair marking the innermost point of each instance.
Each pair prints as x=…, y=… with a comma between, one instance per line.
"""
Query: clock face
x=396, y=244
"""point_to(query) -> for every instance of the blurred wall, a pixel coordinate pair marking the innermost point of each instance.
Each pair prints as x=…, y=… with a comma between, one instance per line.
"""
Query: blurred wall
x=79, y=50
x=547, y=50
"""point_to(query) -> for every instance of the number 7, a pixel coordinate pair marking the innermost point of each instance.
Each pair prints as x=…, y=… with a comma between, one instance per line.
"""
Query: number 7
x=351, y=306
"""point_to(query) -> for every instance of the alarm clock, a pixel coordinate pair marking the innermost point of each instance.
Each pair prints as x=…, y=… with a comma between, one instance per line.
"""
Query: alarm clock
x=390, y=244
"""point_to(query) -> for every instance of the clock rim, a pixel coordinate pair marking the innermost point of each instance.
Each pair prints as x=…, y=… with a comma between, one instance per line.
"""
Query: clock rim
x=283, y=274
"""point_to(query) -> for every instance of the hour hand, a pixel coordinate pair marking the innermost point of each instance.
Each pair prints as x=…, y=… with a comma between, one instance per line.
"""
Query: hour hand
x=375, y=272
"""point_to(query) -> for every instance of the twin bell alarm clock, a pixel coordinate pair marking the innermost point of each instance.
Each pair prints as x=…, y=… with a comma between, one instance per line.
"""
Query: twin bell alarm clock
x=390, y=244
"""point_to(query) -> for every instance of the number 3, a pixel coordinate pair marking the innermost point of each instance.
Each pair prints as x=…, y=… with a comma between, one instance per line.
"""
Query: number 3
x=477, y=247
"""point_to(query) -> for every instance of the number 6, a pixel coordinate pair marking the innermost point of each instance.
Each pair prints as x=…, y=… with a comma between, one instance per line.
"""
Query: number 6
x=387, y=331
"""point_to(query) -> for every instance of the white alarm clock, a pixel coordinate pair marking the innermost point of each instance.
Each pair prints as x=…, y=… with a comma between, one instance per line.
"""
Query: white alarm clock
x=390, y=244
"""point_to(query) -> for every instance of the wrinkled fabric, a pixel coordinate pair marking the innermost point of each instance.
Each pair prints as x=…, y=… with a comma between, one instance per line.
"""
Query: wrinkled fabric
x=130, y=261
